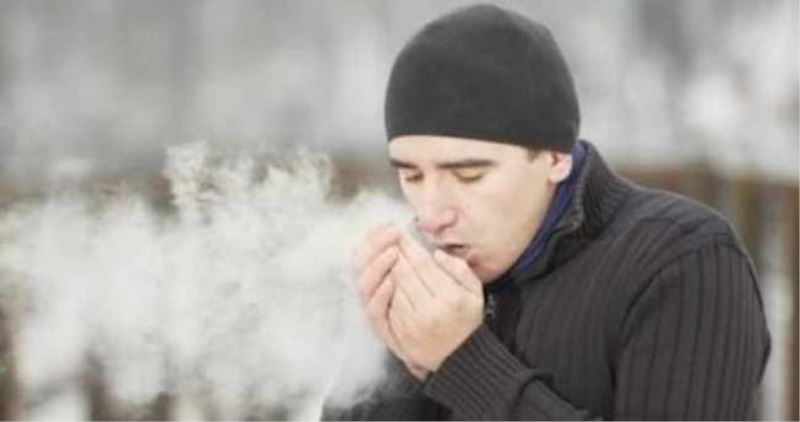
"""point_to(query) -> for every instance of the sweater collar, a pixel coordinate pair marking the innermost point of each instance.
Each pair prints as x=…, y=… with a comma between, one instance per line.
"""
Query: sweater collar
x=558, y=206
x=598, y=194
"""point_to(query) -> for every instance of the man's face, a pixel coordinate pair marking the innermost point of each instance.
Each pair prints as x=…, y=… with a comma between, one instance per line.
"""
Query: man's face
x=481, y=201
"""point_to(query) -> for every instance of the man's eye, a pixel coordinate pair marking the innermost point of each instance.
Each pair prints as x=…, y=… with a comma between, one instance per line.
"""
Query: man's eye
x=411, y=177
x=469, y=175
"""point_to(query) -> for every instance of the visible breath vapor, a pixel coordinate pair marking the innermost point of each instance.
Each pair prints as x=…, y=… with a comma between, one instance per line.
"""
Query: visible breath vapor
x=240, y=301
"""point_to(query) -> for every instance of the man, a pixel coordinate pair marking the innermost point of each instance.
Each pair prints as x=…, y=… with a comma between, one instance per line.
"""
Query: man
x=556, y=289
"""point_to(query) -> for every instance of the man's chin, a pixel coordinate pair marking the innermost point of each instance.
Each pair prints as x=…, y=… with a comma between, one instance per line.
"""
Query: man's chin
x=485, y=275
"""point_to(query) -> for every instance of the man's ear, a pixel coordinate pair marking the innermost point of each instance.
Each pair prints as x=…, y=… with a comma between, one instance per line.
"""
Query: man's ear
x=560, y=166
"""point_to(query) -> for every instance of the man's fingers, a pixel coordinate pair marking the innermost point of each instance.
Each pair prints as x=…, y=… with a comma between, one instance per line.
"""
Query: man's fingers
x=376, y=271
x=377, y=308
x=408, y=281
x=436, y=280
x=402, y=302
x=459, y=270
x=378, y=239
x=399, y=328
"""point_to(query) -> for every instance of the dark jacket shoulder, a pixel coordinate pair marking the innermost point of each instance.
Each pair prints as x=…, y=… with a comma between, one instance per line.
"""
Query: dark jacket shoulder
x=661, y=226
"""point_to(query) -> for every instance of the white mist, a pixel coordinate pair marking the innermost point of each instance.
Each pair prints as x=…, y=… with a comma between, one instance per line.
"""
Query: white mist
x=240, y=301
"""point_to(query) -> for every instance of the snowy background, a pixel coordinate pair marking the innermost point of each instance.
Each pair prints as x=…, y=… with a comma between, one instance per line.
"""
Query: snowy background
x=101, y=86
x=106, y=99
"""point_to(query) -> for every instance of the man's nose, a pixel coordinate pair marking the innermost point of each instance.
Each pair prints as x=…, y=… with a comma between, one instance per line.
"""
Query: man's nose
x=433, y=217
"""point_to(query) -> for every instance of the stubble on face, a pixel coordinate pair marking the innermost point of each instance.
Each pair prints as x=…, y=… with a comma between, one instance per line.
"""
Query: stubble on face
x=495, y=216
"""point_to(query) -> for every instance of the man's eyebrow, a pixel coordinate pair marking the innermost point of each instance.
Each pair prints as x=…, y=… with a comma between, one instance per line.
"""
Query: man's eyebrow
x=466, y=163
x=401, y=164
x=448, y=165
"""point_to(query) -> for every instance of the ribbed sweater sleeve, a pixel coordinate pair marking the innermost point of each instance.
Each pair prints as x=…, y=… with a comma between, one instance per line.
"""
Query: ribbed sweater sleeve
x=691, y=347
x=482, y=380
x=695, y=342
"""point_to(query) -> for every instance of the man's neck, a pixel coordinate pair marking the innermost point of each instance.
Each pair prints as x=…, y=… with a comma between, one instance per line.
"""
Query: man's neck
x=559, y=202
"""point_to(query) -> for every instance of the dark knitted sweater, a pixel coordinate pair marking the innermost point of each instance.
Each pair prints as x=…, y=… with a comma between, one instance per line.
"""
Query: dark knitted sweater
x=644, y=305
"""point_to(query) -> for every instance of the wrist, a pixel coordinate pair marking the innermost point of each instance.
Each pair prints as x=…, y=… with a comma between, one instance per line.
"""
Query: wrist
x=436, y=365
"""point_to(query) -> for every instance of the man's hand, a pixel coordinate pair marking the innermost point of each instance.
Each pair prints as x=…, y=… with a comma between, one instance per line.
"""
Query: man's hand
x=374, y=259
x=437, y=304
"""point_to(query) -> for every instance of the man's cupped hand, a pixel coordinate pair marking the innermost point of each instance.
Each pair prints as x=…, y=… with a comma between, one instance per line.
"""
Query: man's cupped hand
x=421, y=305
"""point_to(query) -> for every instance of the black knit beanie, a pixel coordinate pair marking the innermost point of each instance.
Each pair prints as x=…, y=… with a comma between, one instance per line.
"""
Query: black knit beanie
x=486, y=73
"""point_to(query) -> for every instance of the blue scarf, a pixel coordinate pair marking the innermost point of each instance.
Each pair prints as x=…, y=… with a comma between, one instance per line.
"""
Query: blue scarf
x=561, y=200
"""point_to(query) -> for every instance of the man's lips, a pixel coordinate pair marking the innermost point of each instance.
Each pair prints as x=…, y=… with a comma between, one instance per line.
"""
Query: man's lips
x=455, y=249
x=459, y=250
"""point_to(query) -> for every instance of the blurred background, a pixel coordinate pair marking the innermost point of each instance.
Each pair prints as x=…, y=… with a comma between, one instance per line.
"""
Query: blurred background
x=695, y=96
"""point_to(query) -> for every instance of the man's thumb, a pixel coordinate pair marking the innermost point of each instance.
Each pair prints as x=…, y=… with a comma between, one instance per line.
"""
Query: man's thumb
x=459, y=270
